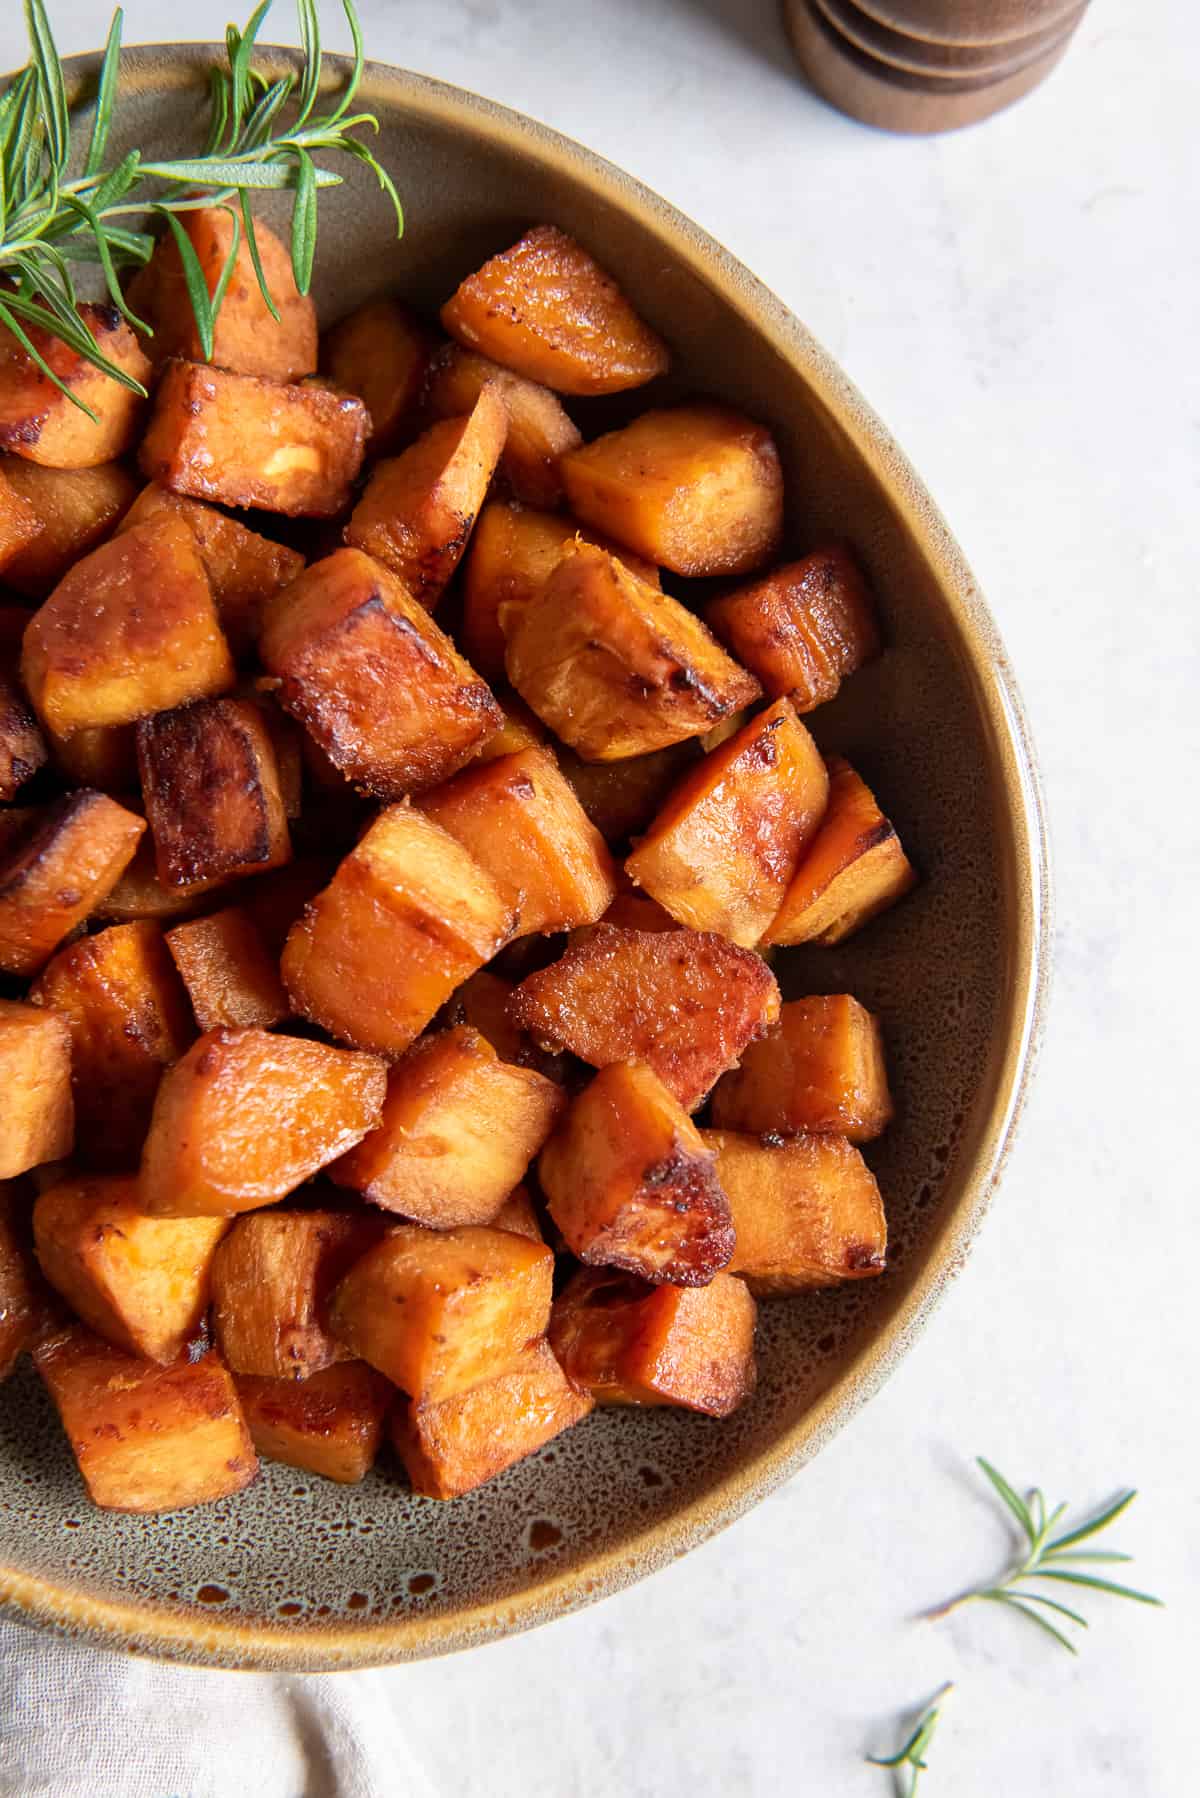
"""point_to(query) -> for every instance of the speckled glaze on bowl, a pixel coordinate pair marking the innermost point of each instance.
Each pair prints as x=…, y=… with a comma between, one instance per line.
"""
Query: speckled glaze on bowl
x=298, y=1573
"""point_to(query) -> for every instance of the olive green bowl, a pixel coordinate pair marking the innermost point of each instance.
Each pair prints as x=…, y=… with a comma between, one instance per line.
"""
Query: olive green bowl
x=298, y=1573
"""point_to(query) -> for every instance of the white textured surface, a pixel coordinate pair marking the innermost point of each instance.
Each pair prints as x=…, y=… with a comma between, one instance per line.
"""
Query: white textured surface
x=1019, y=303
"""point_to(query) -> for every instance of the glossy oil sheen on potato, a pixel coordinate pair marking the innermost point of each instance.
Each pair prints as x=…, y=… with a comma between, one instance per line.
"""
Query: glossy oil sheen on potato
x=820, y=1069
x=58, y=872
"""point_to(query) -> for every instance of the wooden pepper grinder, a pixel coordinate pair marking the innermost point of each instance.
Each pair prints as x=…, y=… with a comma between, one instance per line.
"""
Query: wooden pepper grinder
x=928, y=65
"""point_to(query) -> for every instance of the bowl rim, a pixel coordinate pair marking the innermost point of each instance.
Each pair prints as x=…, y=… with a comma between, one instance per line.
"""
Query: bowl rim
x=146, y=1627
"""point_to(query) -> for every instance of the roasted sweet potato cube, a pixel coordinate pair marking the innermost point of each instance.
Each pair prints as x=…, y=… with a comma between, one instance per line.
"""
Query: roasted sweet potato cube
x=22, y=1296
x=615, y=667
x=55, y=875
x=721, y=853
x=140, y=1282
x=521, y=821
x=19, y=523
x=452, y=1445
x=519, y=1215
x=420, y=507
x=243, y=441
x=807, y=1211
x=853, y=869
x=539, y=430
x=230, y=976
x=483, y=1003
x=128, y=1018
x=140, y=895
x=820, y=1069
x=331, y=1424
x=22, y=745
x=697, y=489
x=685, y=1003
x=366, y=670
x=43, y=424
x=102, y=756
x=147, y=1438
x=545, y=309
x=272, y=1279
x=210, y=781
x=245, y=1117
x=802, y=628
x=408, y=916
x=623, y=798
x=630, y=1184
x=459, y=1129
x=628, y=1343
x=381, y=353
x=37, y=1119
x=520, y=730
x=74, y=510
x=439, y=1311
x=131, y=630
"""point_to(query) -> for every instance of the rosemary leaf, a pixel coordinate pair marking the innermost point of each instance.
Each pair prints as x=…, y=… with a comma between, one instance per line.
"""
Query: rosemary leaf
x=106, y=95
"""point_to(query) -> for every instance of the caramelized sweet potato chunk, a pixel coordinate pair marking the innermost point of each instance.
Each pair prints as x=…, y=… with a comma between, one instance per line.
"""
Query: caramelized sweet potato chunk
x=381, y=353
x=245, y=1117
x=521, y=821
x=820, y=1069
x=140, y=895
x=698, y=489
x=682, y=1002
x=41, y=423
x=720, y=854
x=631, y=1344
x=230, y=976
x=365, y=669
x=129, y=631
x=128, y=1018
x=22, y=746
x=147, y=1438
x=210, y=781
x=519, y=1215
x=140, y=1282
x=56, y=874
x=635, y=911
x=22, y=1306
x=419, y=508
x=406, y=918
x=243, y=441
x=520, y=730
x=615, y=667
x=622, y=798
x=802, y=628
x=484, y=1003
x=331, y=1424
x=452, y=1445
x=545, y=309
x=37, y=1119
x=439, y=1311
x=807, y=1212
x=19, y=524
x=853, y=869
x=538, y=428
x=272, y=1279
x=73, y=509
x=459, y=1129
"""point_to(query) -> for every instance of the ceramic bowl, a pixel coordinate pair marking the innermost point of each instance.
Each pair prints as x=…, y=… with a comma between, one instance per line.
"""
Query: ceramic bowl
x=298, y=1573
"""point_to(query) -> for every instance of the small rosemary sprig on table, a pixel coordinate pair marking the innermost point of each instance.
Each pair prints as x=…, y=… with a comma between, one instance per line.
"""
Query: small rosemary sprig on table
x=50, y=219
x=911, y=1754
x=1050, y=1558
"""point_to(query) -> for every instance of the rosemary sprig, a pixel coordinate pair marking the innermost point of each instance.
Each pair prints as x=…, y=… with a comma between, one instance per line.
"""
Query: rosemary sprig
x=49, y=220
x=911, y=1754
x=1050, y=1558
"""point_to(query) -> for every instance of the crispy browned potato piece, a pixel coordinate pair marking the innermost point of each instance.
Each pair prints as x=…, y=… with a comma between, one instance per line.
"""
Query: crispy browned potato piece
x=140, y=894
x=615, y=667
x=245, y=570
x=272, y=1279
x=854, y=868
x=539, y=430
x=245, y=1117
x=43, y=424
x=628, y=1343
x=128, y=1018
x=331, y=1424
x=438, y=1311
x=56, y=874
x=140, y=1282
x=147, y=1438
x=807, y=1211
x=802, y=628
x=721, y=853
x=683, y=1002
x=210, y=781
x=247, y=338
x=545, y=309
x=820, y=1069
x=380, y=352
x=519, y=1215
x=19, y=523
x=622, y=798
x=697, y=489
x=243, y=441
x=102, y=756
x=131, y=630
x=22, y=1296
x=22, y=745
x=74, y=509
x=229, y=974
x=521, y=821
x=459, y=1129
x=420, y=507
x=408, y=916
x=37, y=1118
x=630, y=1184
x=452, y=1445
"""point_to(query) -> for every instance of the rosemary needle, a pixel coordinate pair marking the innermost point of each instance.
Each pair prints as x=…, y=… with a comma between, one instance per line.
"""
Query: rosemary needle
x=911, y=1754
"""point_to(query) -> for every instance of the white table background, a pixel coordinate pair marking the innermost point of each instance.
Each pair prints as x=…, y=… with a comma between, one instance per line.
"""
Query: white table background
x=1020, y=302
